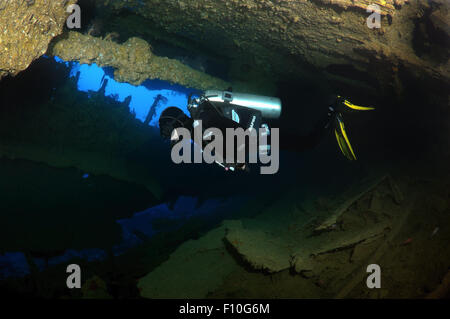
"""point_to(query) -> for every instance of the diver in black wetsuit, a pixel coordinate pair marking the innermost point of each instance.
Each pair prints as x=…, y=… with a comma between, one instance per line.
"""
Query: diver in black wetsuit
x=224, y=109
x=298, y=143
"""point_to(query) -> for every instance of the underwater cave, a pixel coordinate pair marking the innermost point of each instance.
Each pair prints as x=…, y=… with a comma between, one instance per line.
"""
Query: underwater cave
x=87, y=174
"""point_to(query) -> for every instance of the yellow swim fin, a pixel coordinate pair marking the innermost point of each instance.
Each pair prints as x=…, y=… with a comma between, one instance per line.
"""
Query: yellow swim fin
x=342, y=139
x=356, y=107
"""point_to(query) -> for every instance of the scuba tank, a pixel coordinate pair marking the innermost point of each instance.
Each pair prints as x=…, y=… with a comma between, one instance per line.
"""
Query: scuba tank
x=270, y=107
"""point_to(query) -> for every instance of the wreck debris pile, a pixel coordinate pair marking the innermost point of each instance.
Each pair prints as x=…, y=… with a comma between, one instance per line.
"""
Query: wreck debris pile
x=298, y=249
x=349, y=227
x=26, y=29
x=133, y=61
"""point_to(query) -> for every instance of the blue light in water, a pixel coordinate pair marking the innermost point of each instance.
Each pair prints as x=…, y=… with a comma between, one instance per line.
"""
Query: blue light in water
x=13, y=265
x=90, y=77
x=142, y=97
x=59, y=60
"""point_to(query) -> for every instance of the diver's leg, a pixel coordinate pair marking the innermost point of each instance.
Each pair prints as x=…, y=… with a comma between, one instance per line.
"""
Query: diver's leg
x=298, y=143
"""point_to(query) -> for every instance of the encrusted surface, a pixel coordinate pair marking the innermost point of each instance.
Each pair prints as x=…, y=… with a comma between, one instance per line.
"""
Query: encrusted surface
x=133, y=61
x=285, y=38
x=386, y=6
x=302, y=37
x=26, y=29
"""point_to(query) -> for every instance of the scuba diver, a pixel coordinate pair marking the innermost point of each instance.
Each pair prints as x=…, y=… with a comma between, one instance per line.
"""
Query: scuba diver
x=226, y=109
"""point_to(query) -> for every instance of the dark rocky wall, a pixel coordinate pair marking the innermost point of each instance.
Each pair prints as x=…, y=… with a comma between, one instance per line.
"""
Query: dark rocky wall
x=315, y=40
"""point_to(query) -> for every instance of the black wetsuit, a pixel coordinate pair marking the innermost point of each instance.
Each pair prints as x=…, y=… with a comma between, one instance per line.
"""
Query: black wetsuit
x=299, y=143
x=220, y=117
x=223, y=116
x=302, y=143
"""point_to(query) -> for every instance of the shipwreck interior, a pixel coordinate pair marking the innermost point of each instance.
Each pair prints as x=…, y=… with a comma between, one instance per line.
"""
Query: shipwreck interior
x=85, y=177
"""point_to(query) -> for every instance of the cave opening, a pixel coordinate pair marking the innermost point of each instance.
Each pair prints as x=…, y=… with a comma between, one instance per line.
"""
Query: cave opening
x=81, y=153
